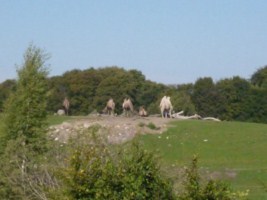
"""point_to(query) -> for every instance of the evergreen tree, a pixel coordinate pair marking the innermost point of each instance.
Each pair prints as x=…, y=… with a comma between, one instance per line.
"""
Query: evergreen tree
x=25, y=130
x=26, y=108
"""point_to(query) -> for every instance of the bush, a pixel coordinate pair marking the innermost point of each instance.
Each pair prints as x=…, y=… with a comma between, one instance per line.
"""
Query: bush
x=141, y=124
x=196, y=189
x=152, y=126
x=100, y=171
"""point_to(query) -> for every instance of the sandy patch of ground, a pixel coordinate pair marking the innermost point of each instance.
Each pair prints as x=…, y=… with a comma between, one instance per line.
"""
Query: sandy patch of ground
x=118, y=128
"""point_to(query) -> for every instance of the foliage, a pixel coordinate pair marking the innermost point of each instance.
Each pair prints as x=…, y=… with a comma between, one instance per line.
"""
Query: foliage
x=25, y=109
x=25, y=129
x=6, y=88
x=212, y=190
x=254, y=107
x=24, y=173
x=57, y=92
x=182, y=102
x=206, y=98
x=89, y=90
x=141, y=124
x=152, y=126
x=234, y=93
x=230, y=99
x=259, y=78
x=97, y=171
x=192, y=184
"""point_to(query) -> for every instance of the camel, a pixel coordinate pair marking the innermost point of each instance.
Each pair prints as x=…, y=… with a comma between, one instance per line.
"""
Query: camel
x=127, y=107
x=142, y=111
x=110, y=107
x=66, y=105
x=166, y=107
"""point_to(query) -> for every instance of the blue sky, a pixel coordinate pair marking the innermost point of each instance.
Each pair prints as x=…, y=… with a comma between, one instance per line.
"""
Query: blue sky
x=170, y=41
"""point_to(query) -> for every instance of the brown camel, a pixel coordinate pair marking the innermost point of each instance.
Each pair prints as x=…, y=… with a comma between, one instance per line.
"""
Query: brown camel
x=127, y=107
x=110, y=107
x=142, y=111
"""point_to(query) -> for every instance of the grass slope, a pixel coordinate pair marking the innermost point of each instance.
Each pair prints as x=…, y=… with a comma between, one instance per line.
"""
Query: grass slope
x=234, y=151
x=222, y=147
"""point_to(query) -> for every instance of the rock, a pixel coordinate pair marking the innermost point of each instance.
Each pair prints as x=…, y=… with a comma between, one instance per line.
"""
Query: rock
x=61, y=112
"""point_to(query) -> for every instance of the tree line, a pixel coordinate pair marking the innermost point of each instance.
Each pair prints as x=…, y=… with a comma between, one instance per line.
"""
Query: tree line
x=88, y=90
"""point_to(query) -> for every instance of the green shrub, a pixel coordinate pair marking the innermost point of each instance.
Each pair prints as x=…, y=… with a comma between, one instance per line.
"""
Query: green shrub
x=152, y=126
x=100, y=171
x=141, y=124
x=196, y=189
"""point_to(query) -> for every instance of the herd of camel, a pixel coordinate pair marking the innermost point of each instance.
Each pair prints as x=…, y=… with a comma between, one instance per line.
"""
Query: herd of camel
x=128, y=109
x=165, y=107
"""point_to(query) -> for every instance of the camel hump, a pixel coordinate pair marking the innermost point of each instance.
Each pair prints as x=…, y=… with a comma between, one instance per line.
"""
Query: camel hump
x=165, y=100
x=110, y=103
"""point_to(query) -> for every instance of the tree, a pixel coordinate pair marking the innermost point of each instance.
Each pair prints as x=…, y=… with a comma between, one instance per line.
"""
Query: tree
x=5, y=89
x=25, y=128
x=182, y=102
x=205, y=97
x=234, y=92
x=89, y=90
x=57, y=88
x=118, y=84
x=26, y=108
x=81, y=87
x=255, y=105
x=259, y=78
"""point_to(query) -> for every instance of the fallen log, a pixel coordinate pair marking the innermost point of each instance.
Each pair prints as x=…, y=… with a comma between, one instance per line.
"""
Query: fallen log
x=212, y=119
x=180, y=115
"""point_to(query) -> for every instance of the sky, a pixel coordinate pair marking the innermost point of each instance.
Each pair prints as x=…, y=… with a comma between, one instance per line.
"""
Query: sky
x=169, y=41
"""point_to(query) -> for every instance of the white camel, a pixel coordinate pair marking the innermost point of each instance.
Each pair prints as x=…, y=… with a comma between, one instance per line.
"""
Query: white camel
x=110, y=107
x=166, y=107
x=127, y=107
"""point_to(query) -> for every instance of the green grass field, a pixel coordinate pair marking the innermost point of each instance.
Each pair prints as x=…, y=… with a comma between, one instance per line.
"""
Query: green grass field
x=234, y=151
x=55, y=119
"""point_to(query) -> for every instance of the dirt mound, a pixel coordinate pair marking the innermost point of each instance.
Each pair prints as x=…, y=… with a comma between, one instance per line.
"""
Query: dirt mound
x=118, y=129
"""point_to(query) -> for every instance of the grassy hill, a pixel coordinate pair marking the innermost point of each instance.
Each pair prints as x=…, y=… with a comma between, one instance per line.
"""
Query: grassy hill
x=233, y=151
